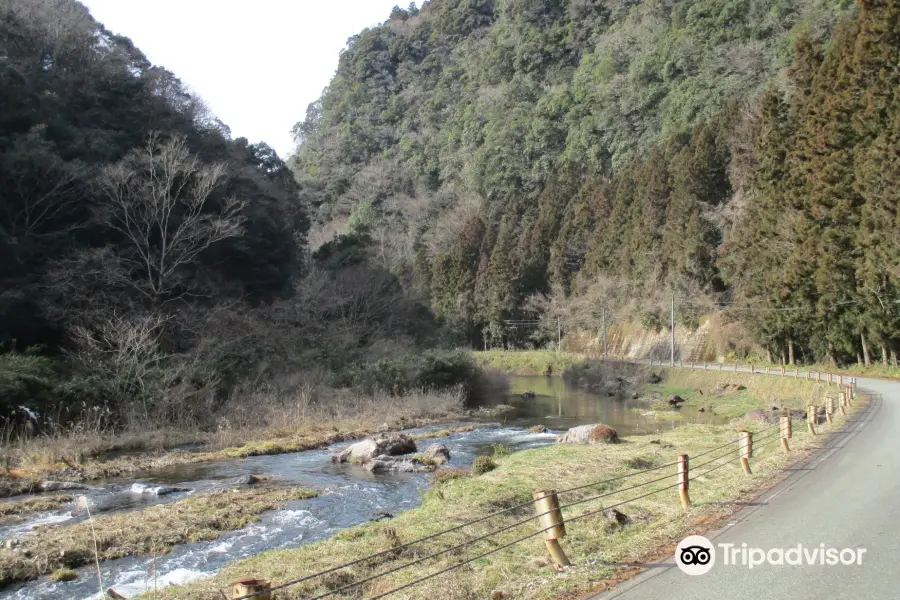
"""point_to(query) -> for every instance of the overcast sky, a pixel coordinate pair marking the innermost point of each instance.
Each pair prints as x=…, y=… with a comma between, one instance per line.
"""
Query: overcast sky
x=257, y=63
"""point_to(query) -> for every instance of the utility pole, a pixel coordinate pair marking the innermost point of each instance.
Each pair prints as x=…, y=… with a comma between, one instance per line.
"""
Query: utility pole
x=672, y=326
x=558, y=335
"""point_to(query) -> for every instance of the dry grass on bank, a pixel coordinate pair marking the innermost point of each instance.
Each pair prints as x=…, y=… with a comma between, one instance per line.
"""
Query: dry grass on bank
x=17, y=511
x=150, y=531
x=523, y=570
x=264, y=423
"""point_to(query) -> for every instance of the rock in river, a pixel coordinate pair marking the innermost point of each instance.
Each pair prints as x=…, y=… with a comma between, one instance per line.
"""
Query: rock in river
x=366, y=450
x=398, y=464
x=439, y=453
x=57, y=486
x=589, y=434
x=156, y=490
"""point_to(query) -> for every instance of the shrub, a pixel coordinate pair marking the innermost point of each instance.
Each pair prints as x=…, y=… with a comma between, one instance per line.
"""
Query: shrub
x=449, y=474
x=25, y=379
x=63, y=575
x=482, y=465
x=500, y=450
x=652, y=320
x=603, y=434
x=429, y=370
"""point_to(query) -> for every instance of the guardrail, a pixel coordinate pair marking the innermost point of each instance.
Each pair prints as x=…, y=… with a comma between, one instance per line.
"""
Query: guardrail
x=549, y=510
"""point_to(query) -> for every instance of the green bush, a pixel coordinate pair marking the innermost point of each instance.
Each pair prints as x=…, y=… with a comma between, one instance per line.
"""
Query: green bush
x=25, y=379
x=482, y=465
x=500, y=450
x=428, y=370
x=652, y=320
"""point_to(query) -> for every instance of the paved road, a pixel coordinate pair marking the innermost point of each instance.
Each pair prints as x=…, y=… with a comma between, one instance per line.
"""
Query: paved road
x=846, y=496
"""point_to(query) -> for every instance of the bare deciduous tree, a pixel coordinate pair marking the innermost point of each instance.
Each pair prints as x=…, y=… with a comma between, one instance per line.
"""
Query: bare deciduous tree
x=38, y=191
x=157, y=198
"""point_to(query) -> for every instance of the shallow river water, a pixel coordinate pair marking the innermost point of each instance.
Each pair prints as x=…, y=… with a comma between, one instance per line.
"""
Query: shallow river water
x=349, y=495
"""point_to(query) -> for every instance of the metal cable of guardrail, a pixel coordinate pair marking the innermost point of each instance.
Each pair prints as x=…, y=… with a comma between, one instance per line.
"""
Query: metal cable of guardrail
x=462, y=526
x=605, y=481
x=452, y=548
x=509, y=544
x=395, y=549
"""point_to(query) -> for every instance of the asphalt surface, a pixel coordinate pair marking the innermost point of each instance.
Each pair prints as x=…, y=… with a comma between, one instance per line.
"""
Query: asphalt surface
x=845, y=496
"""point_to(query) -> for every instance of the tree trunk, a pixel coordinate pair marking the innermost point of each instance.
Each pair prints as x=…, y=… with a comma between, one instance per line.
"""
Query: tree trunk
x=865, y=348
x=831, y=357
x=884, y=356
x=894, y=357
x=791, y=352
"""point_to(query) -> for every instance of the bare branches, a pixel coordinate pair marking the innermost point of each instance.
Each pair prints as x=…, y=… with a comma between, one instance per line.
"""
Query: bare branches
x=159, y=199
x=39, y=191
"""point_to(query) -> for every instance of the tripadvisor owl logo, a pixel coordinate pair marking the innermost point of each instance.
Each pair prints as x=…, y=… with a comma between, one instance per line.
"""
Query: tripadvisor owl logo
x=695, y=555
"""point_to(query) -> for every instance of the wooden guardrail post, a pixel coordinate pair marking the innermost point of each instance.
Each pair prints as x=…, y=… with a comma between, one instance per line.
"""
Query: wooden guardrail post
x=684, y=481
x=807, y=374
x=786, y=431
x=830, y=378
x=796, y=372
x=692, y=365
x=250, y=585
x=829, y=410
x=783, y=371
x=721, y=366
x=818, y=377
x=752, y=370
x=767, y=370
x=550, y=520
x=840, y=380
x=843, y=403
x=746, y=451
x=812, y=416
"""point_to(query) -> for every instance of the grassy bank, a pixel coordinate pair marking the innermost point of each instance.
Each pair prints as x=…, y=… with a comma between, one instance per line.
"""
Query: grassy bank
x=523, y=570
x=528, y=362
x=731, y=395
x=265, y=424
x=19, y=510
x=151, y=531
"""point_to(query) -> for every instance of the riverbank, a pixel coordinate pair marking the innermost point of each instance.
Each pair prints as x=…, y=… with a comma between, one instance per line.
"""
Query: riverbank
x=152, y=531
x=276, y=429
x=527, y=362
x=644, y=528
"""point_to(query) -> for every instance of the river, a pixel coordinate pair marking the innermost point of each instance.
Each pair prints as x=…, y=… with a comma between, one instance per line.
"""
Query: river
x=349, y=495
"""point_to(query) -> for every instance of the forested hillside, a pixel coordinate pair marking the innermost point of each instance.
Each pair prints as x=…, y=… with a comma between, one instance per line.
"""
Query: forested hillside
x=526, y=159
x=149, y=263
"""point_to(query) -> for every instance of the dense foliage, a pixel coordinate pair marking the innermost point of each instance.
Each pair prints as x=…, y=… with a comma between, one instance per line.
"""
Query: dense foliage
x=825, y=206
x=149, y=261
x=519, y=160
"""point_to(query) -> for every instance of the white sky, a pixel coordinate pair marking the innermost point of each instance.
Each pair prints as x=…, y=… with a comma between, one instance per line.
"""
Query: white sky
x=257, y=63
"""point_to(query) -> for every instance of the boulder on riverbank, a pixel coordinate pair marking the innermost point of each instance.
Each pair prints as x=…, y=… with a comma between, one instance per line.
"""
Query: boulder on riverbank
x=590, y=435
x=368, y=449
